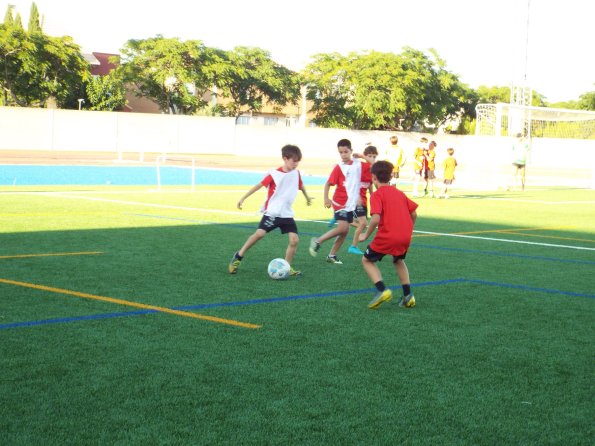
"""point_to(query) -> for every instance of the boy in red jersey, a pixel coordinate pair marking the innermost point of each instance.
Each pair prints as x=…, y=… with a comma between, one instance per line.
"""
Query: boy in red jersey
x=346, y=176
x=283, y=185
x=361, y=209
x=394, y=214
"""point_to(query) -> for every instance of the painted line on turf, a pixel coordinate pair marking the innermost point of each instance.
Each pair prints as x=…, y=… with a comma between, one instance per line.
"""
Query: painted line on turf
x=503, y=240
x=22, y=256
x=130, y=304
x=503, y=254
x=139, y=203
x=471, y=251
x=556, y=237
x=530, y=288
x=204, y=306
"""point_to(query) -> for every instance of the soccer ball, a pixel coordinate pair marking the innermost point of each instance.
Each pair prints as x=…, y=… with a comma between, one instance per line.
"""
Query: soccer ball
x=278, y=269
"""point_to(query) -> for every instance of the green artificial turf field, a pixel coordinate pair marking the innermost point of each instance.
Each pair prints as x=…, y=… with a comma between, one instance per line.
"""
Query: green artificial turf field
x=119, y=323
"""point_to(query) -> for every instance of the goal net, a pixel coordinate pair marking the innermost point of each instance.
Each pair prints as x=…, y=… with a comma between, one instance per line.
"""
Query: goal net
x=536, y=122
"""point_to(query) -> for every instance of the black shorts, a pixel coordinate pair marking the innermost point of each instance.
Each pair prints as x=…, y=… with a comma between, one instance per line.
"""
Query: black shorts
x=447, y=181
x=286, y=225
x=519, y=166
x=374, y=256
x=429, y=175
x=344, y=216
x=395, y=174
x=360, y=211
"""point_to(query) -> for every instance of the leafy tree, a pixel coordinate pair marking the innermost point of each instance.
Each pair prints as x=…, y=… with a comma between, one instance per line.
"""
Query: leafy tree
x=587, y=101
x=106, y=93
x=384, y=90
x=9, y=16
x=34, y=22
x=166, y=71
x=250, y=78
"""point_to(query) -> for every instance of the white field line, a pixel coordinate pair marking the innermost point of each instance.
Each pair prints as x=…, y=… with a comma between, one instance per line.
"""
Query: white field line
x=506, y=240
x=217, y=211
x=539, y=201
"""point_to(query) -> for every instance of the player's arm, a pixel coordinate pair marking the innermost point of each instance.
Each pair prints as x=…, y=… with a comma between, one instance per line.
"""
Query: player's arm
x=327, y=201
x=308, y=198
x=371, y=227
x=413, y=216
x=247, y=194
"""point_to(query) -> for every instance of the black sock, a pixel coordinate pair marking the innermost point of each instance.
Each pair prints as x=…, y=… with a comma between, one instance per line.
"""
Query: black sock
x=406, y=290
x=380, y=286
x=238, y=256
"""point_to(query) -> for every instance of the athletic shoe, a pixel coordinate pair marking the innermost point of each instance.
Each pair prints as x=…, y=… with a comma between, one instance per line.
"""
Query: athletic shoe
x=354, y=250
x=314, y=247
x=381, y=296
x=293, y=272
x=333, y=259
x=407, y=301
x=234, y=264
x=332, y=222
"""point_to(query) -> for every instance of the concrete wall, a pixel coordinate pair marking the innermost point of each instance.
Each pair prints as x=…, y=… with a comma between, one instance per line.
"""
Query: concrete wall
x=483, y=161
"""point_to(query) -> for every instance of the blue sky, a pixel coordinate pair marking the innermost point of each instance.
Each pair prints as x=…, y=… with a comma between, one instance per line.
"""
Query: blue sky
x=483, y=41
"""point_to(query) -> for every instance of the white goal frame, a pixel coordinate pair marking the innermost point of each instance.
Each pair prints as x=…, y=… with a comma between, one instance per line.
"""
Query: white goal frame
x=161, y=160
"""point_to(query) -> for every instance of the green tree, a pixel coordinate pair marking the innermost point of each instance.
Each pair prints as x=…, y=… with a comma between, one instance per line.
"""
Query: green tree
x=250, y=78
x=384, y=90
x=9, y=16
x=34, y=21
x=587, y=101
x=106, y=93
x=167, y=71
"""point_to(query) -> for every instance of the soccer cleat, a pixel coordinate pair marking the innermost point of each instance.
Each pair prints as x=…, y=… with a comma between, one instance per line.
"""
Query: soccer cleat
x=314, y=247
x=332, y=222
x=381, y=296
x=293, y=272
x=354, y=250
x=407, y=301
x=333, y=259
x=234, y=264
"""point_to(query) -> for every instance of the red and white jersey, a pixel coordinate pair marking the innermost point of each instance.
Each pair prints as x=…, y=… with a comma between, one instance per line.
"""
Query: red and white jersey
x=282, y=188
x=347, y=178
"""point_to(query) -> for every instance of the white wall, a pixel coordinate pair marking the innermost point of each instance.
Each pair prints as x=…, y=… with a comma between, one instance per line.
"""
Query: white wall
x=483, y=161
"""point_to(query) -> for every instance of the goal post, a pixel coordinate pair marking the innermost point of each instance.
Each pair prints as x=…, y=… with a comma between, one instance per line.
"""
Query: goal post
x=534, y=122
x=181, y=162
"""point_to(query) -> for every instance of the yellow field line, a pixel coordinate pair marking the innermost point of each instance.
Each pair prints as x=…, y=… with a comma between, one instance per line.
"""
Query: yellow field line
x=20, y=256
x=131, y=304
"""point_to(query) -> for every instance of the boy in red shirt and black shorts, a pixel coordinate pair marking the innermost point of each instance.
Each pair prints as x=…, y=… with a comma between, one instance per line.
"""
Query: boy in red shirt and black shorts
x=394, y=214
x=346, y=178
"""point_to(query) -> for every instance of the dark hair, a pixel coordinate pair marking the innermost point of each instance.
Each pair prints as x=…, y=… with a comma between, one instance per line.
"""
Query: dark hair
x=423, y=139
x=450, y=151
x=383, y=171
x=291, y=151
x=371, y=150
x=394, y=138
x=344, y=143
x=433, y=143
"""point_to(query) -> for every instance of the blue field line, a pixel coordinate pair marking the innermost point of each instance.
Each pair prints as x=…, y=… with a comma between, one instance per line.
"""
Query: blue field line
x=311, y=296
x=203, y=306
x=530, y=288
x=63, y=320
x=288, y=298
x=504, y=254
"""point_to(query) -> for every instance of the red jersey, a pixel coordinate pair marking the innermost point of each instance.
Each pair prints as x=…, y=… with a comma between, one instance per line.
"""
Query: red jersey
x=396, y=227
x=346, y=177
x=365, y=183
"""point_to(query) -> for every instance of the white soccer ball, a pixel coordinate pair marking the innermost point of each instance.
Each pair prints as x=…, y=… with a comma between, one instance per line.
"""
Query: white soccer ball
x=279, y=269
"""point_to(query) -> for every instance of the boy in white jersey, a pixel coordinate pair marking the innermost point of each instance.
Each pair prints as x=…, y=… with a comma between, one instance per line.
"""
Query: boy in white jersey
x=346, y=176
x=283, y=185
